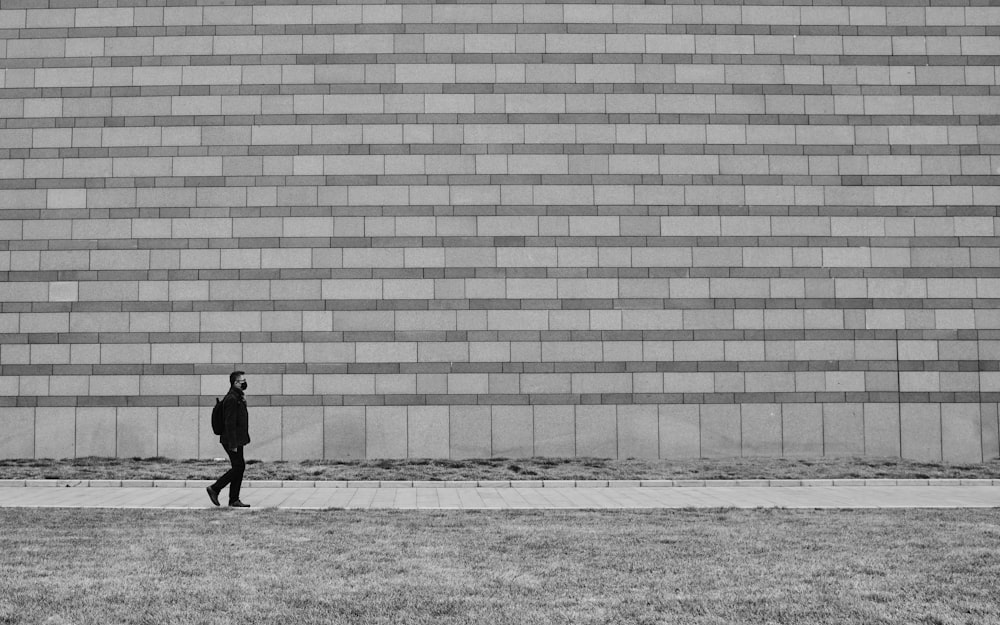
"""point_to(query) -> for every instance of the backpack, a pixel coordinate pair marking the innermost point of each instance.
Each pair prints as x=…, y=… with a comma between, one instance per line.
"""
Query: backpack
x=218, y=421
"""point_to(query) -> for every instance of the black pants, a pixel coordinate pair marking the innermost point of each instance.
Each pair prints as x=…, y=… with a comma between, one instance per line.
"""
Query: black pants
x=234, y=476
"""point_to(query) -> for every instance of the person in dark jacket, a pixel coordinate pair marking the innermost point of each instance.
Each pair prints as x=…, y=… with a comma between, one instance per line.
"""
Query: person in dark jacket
x=235, y=435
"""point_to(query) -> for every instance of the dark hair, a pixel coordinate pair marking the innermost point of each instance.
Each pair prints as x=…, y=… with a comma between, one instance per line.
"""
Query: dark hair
x=233, y=376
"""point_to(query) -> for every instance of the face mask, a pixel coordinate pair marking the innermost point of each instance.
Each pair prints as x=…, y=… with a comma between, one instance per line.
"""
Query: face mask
x=243, y=385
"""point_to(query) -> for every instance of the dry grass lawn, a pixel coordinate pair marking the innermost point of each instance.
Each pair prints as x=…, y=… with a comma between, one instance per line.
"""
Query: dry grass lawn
x=499, y=469
x=82, y=567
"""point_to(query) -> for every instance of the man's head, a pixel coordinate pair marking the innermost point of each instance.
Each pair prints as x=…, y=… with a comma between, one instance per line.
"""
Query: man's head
x=237, y=380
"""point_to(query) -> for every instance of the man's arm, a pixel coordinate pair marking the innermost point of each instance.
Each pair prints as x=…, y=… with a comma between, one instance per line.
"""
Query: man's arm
x=229, y=419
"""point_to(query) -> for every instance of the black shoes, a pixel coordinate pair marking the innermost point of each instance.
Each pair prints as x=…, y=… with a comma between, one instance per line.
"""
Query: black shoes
x=214, y=496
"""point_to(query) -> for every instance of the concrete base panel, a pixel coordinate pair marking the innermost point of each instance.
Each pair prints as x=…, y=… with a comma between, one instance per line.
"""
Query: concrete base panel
x=953, y=433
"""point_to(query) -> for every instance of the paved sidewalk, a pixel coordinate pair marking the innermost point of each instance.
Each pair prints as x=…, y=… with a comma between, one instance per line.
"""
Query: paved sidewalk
x=812, y=494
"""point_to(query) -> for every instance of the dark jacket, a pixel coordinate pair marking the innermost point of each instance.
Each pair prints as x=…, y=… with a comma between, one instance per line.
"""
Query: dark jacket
x=236, y=418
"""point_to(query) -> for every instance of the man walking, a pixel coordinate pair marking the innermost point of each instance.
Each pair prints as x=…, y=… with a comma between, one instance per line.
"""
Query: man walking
x=234, y=436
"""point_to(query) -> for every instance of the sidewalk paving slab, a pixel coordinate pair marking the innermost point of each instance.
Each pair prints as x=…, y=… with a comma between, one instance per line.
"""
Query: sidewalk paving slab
x=427, y=499
x=550, y=494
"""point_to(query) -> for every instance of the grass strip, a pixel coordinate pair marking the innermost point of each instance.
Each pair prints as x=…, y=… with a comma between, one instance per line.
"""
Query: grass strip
x=499, y=469
x=344, y=567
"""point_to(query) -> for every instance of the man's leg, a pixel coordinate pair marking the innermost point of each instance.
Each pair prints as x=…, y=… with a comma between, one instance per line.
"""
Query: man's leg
x=234, y=476
x=236, y=479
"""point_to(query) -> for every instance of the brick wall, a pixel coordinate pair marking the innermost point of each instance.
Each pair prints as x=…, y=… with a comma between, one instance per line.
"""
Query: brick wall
x=597, y=229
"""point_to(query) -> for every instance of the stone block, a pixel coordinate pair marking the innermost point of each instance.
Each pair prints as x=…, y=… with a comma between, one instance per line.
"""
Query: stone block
x=512, y=431
x=554, y=434
x=920, y=432
x=882, y=430
x=96, y=430
x=273, y=352
x=265, y=433
x=343, y=384
x=470, y=432
x=638, y=288
x=44, y=323
x=680, y=431
x=535, y=383
x=33, y=385
x=344, y=432
x=843, y=430
x=136, y=433
x=770, y=382
x=961, y=433
x=282, y=15
x=391, y=384
x=688, y=382
x=243, y=44
x=50, y=354
x=601, y=383
x=302, y=434
x=919, y=381
x=638, y=431
x=386, y=352
x=123, y=354
x=18, y=425
x=721, y=435
x=596, y=431
x=177, y=431
x=386, y=432
x=531, y=289
x=282, y=290
x=802, y=430
x=428, y=432
x=990, y=431
x=227, y=15
x=761, y=429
